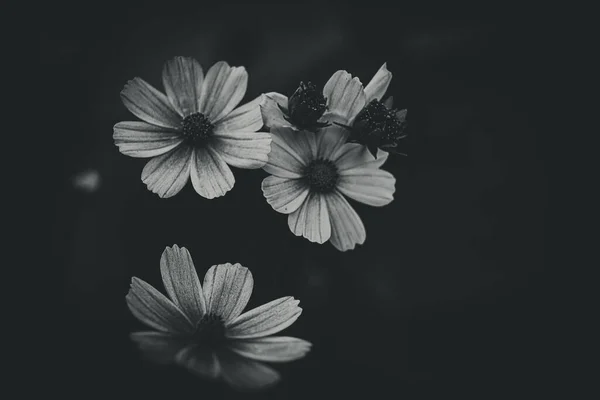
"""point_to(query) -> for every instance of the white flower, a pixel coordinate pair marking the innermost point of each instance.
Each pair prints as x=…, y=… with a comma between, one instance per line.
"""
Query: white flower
x=311, y=174
x=194, y=131
x=345, y=98
x=203, y=329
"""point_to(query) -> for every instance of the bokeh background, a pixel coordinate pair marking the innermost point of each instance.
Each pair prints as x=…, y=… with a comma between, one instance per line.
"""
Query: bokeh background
x=447, y=294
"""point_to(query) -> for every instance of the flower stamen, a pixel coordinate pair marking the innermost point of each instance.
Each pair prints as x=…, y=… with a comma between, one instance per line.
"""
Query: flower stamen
x=196, y=128
x=321, y=175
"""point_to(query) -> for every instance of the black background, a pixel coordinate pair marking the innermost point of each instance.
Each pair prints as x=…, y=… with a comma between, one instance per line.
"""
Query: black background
x=446, y=296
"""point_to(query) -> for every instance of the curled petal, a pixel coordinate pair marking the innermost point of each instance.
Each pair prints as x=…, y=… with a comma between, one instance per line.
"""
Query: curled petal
x=182, y=79
x=345, y=98
x=143, y=140
x=150, y=105
x=283, y=194
x=265, y=320
x=272, y=114
x=378, y=84
x=167, y=174
x=211, y=177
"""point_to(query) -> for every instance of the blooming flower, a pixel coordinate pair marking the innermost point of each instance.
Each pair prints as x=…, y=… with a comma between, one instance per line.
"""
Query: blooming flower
x=202, y=328
x=341, y=101
x=311, y=174
x=194, y=130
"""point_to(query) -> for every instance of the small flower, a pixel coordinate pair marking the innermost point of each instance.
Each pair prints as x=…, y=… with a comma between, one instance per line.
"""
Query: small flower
x=194, y=131
x=202, y=328
x=311, y=174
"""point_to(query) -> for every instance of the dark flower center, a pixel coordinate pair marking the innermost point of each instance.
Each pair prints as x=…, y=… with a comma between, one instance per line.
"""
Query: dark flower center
x=321, y=175
x=196, y=128
x=306, y=106
x=210, y=331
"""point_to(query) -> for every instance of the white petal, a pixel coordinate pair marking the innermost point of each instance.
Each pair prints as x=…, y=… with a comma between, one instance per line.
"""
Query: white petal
x=140, y=139
x=223, y=89
x=272, y=349
x=248, y=150
x=271, y=113
x=182, y=79
x=153, y=309
x=371, y=186
x=347, y=229
x=291, y=152
x=211, y=177
x=167, y=174
x=199, y=360
x=158, y=347
x=345, y=97
x=244, y=374
x=311, y=220
x=244, y=118
x=227, y=289
x=265, y=320
x=329, y=141
x=283, y=194
x=150, y=105
x=352, y=155
x=379, y=84
x=182, y=283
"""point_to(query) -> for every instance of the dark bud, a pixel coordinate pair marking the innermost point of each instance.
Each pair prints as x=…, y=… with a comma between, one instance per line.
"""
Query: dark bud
x=305, y=107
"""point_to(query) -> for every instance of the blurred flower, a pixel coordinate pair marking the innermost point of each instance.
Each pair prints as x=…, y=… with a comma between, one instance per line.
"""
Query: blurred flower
x=311, y=173
x=203, y=329
x=194, y=131
x=87, y=181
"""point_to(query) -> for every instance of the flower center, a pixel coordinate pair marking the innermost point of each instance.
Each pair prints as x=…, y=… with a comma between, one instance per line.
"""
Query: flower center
x=306, y=106
x=210, y=331
x=196, y=128
x=321, y=175
x=378, y=120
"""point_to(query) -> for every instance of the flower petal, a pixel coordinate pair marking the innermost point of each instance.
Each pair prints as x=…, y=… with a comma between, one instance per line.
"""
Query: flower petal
x=369, y=185
x=271, y=113
x=283, y=194
x=330, y=140
x=153, y=309
x=227, y=289
x=352, y=155
x=379, y=84
x=244, y=118
x=347, y=228
x=158, y=347
x=182, y=283
x=272, y=349
x=265, y=320
x=244, y=374
x=345, y=97
x=248, y=150
x=222, y=90
x=182, y=78
x=311, y=220
x=291, y=151
x=167, y=174
x=150, y=105
x=142, y=140
x=211, y=177
x=199, y=360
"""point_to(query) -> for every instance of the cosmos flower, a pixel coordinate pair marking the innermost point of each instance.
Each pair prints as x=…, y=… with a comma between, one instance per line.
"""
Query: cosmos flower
x=194, y=130
x=201, y=326
x=308, y=109
x=311, y=174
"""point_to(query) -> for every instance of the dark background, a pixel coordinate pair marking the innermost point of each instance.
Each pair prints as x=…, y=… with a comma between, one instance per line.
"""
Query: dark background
x=446, y=297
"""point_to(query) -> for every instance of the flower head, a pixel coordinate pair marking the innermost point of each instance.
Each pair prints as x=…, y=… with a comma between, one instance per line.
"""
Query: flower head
x=202, y=327
x=311, y=174
x=195, y=130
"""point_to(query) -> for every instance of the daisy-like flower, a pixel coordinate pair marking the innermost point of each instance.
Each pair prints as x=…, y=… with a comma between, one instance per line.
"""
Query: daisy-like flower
x=201, y=327
x=340, y=101
x=195, y=130
x=311, y=174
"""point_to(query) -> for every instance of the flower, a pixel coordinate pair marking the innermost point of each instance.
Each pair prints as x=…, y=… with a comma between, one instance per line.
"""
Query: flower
x=311, y=174
x=194, y=130
x=202, y=328
x=342, y=99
